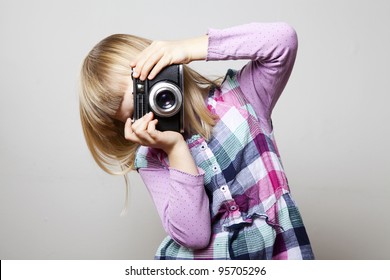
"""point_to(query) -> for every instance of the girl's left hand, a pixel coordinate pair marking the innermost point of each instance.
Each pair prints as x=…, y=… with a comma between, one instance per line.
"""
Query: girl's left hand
x=163, y=53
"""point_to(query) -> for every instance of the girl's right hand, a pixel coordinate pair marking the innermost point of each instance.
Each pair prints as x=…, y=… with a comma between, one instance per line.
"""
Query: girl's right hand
x=143, y=131
x=163, y=53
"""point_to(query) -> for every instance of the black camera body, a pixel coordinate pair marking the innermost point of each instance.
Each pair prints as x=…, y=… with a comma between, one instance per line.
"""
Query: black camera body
x=164, y=96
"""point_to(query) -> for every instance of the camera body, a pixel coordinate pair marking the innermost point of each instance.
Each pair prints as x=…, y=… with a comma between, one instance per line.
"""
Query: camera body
x=164, y=96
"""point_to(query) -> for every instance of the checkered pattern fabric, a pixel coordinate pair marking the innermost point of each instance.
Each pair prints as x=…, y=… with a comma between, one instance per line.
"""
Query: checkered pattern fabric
x=253, y=215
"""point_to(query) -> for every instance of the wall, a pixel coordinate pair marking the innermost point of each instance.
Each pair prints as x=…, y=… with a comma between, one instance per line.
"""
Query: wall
x=330, y=124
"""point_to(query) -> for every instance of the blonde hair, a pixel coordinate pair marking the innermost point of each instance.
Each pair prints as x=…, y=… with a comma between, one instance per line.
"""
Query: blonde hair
x=104, y=79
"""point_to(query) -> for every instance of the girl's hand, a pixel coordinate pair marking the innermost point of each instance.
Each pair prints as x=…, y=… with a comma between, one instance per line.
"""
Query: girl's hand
x=163, y=53
x=143, y=131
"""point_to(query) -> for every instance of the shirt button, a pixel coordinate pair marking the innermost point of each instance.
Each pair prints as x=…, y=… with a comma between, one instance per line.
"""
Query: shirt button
x=233, y=208
x=223, y=188
x=215, y=169
x=203, y=146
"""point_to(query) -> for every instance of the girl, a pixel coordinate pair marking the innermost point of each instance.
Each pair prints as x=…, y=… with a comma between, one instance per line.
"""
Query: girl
x=220, y=188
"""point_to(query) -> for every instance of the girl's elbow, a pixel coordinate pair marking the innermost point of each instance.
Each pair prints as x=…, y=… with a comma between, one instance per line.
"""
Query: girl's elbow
x=203, y=240
x=195, y=242
x=290, y=37
x=194, y=239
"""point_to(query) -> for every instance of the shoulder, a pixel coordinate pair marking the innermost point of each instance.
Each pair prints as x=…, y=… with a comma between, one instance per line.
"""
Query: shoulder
x=230, y=90
x=229, y=82
x=228, y=93
x=229, y=97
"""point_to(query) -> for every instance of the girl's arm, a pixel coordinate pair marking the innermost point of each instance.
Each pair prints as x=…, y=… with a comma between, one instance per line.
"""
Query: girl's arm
x=178, y=191
x=271, y=47
x=182, y=204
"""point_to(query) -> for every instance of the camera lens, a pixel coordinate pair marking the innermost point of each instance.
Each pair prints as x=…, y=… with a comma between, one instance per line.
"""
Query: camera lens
x=165, y=99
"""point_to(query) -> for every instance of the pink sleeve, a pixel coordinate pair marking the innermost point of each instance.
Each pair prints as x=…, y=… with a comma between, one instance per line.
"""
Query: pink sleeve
x=182, y=204
x=272, y=49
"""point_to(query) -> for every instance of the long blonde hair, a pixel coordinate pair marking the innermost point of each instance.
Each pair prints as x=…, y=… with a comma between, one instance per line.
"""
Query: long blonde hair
x=104, y=79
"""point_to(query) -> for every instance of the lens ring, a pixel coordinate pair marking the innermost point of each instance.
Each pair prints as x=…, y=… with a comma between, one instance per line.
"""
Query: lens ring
x=172, y=103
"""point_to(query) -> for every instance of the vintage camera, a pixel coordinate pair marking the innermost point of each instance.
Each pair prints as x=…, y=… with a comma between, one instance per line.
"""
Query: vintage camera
x=164, y=96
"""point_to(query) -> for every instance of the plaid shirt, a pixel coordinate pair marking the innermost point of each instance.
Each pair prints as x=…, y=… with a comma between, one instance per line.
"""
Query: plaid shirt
x=252, y=213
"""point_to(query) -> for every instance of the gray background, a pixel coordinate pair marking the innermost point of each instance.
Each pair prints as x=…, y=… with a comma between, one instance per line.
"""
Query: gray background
x=330, y=124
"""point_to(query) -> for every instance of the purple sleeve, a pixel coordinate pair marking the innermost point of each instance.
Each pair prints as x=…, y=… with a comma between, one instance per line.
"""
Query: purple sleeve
x=182, y=204
x=272, y=49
